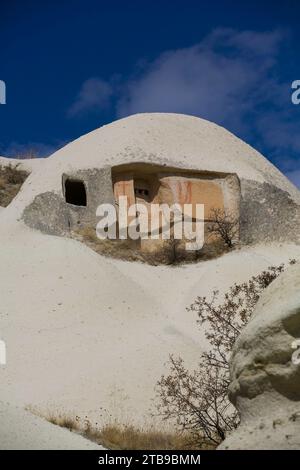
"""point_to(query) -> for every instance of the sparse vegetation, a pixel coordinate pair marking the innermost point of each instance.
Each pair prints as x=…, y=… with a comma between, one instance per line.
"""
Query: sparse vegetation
x=129, y=250
x=11, y=180
x=170, y=252
x=121, y=249
x=198, y=400
x=224, y=225
x=121, y=437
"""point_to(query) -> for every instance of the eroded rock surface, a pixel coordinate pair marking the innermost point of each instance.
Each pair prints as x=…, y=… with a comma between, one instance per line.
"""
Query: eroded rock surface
x=265, y=384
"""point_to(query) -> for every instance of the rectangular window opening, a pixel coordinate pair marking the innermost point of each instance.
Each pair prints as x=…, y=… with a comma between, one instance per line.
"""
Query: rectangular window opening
x=75, y=192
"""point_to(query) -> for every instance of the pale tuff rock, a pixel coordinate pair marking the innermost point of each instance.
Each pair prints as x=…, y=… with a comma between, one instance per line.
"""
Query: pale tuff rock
x=21, y=430
x=88, y=334
x=146, y=148
x=265, y=378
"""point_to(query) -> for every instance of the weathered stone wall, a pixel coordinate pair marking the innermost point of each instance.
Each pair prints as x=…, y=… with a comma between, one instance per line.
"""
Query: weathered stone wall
x=50, y=213
x=267, y=214
x=153, y=184
x=167, y=185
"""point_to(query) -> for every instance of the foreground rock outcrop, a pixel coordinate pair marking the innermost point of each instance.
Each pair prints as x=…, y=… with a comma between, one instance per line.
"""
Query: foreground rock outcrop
x=265, y=384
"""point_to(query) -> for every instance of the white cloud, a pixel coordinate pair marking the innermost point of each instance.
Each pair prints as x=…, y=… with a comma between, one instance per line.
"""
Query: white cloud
x=218, y=79
x=94, y=94
x=221, y=78
x=230, y=77
x=263, y=43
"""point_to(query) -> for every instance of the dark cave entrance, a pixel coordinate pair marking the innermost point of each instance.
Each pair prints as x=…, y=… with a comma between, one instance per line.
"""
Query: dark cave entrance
x=75, y=192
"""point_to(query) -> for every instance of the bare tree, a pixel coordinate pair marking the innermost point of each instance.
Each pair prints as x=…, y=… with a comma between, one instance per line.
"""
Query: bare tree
x=197, y=400
x=223, y=224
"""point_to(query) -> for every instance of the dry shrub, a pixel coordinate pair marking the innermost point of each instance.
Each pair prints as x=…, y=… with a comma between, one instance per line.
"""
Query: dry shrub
x=123, y=437
x=2, y=182
x=198, y=400
x=13, y=174
x=168, y=252
x=127, y=250
x=115, y=437
x=11, y=180
x=223, y=225
x=64, y=421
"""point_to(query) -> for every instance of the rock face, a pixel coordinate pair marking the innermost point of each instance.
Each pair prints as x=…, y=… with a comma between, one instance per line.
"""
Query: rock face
x=265, y=384
x=165, y=157
x=89, y=335
x=150, y=184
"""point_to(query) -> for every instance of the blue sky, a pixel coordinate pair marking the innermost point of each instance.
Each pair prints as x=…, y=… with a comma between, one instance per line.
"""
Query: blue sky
x=72, y=66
